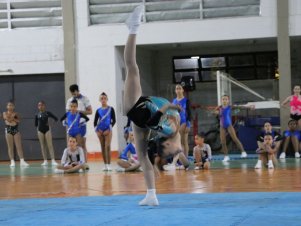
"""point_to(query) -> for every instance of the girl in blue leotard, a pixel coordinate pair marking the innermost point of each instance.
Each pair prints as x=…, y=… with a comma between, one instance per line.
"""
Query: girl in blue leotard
x=291, y=135
x=128, y=159
x=185, y=116
x=74, y=120
x=103, y=122
x=126, y=130
x=224, y=112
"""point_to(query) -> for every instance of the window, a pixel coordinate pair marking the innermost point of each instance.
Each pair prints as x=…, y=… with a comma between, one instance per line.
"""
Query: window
x=213, y=62
x=187, y=66
x=241, y=60
x=30, y=14
x=117, y=11
x=245, y=66
x=189, y=63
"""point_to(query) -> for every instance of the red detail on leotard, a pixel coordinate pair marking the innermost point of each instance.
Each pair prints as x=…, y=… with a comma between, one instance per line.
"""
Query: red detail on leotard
x=295, y=104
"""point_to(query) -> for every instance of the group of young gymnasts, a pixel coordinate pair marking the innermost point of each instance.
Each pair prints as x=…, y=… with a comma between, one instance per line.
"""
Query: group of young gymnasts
x=159, y=129
x=75, y=118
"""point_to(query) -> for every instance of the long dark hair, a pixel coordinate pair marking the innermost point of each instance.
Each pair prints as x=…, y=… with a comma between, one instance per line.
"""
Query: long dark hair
x=155, y=148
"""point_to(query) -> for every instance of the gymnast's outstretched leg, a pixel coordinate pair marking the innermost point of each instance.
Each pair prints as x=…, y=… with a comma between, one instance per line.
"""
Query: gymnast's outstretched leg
x=132, y=92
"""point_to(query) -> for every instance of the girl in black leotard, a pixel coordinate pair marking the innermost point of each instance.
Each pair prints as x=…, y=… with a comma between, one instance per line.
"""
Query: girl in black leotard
x=12, y=134
x=44, y=132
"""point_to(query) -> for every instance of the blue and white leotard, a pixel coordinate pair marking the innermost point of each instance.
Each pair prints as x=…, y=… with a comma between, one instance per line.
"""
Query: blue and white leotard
x=73, y=122
x=104, y=119
x=129, y=148
x=185, y=112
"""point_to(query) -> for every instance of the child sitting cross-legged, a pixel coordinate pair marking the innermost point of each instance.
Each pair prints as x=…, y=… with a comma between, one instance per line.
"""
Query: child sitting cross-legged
x=201, y=152
x=73, y=159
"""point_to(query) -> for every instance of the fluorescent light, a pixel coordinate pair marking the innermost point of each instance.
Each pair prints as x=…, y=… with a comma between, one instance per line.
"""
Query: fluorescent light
x=195, y=57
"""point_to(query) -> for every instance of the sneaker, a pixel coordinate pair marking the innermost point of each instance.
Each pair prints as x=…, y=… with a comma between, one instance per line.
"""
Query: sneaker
x=169, y=167
x=197, y=168
x=12, y=163
x=297, y=154
x=282, y=156
x=180, y=167
x=109, y=167
x=149, y=201
x=23, y=163
x=54, y=163
x=119, y=169
x=244, y=154
x=270, y=165
x=258, y=165
x=226, y=158
x=59, y=171
x=45, y=163
x=105, y=168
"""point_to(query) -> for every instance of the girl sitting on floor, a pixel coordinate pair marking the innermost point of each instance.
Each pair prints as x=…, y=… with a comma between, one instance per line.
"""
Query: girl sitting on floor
x=267, y=152
x=201, y=152
x=73, y=159
x=293, y=135
x=268, y=129
x=128, y=159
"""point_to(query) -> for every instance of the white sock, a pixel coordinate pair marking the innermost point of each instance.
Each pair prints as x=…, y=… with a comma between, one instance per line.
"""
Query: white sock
x=259, y=162
x=150, y=198
x=151, y=192
x=134, y=29
x=134, y=20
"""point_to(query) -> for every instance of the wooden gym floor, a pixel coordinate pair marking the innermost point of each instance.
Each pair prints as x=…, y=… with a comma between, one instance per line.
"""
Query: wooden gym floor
x=237, y=176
